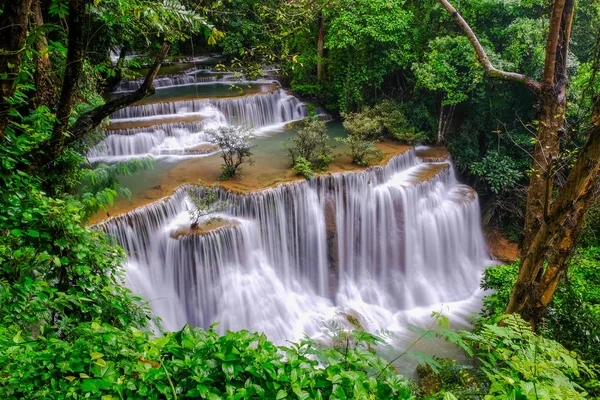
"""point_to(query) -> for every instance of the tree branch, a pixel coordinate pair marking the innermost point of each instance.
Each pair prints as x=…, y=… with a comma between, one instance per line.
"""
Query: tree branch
x=93, y=118
x=482, y=57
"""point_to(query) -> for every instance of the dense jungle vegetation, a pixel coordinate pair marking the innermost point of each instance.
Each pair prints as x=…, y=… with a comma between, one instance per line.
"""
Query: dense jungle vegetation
x=511, y=87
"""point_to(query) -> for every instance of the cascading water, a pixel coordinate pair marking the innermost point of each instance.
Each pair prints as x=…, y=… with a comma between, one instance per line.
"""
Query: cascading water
x=165, y=82
x=263, y=111
x=256, y=110
x=377, y=244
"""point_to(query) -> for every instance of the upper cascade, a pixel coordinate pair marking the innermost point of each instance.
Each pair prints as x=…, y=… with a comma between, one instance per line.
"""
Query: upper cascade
x=257, y=110
x=164, y=82
x=376, y=244
x=262, y=111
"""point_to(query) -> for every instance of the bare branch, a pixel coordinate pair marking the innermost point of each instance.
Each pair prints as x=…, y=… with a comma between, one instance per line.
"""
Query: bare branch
x=482, y=57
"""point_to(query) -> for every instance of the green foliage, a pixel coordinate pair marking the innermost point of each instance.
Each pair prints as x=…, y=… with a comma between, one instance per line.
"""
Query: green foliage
x=366, y=40
x=360, y=150
x=236, y=148
x=192, y=363
x=450, y=67
x=100, y=186
x=591, y=232
x=452, y=380
x=573, y=317
x=385, y=119
x=499, y=172
x=303, y=167
x=311, y=143
x=501, y=279
x=520, y=364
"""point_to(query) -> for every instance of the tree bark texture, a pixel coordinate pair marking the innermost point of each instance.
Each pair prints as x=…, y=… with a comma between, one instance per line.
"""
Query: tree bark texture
x=71, y=78
x=14, y=28
x=45, y=93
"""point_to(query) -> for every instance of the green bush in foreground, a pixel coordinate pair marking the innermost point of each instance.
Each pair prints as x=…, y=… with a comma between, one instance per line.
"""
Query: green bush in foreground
x=108, y=363
x=573, y=317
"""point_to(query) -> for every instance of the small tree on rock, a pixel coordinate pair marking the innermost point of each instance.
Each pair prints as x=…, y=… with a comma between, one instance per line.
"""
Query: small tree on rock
x=206, y=204
x=236, y=148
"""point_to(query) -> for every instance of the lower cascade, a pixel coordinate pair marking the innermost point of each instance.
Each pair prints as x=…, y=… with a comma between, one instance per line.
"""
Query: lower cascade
x=384, y=245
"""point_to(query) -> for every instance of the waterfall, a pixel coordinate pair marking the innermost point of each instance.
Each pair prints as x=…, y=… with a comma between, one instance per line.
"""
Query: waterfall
x=182, y=138
x=378, y=243
x=257, y=110
x=163, y=82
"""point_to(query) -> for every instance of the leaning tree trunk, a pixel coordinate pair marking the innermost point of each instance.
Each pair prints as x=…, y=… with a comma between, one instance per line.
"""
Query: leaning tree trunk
x=559, y=233
x=91, y=119
x=12, y=44
x=551, y=119
x=54, y=146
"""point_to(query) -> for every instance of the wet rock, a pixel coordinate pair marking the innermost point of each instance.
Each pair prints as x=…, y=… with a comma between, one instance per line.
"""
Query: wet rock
x=203, y=228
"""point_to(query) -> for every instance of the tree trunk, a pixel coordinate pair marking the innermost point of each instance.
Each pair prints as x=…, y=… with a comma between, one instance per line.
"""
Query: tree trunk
x=44, y=89
x=71, y=78
x=551, y=227
x=558, y=235
x=12, y=42
x=440, y=135
x=551, y=119
x=320, y=44
x=547, y=147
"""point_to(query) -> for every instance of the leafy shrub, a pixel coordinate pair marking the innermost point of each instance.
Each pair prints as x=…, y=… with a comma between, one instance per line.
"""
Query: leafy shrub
x=499, y=172
x=311, y=142
x=361, y=151
x=591, y=232
x=236, y=148
x=395, y=123
x=192, y=363
x=364, y=124
x=573, y=317
x=521, y=364
x=303, y=167
x=501, y=279
x=385, y=119
x=451, y=380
